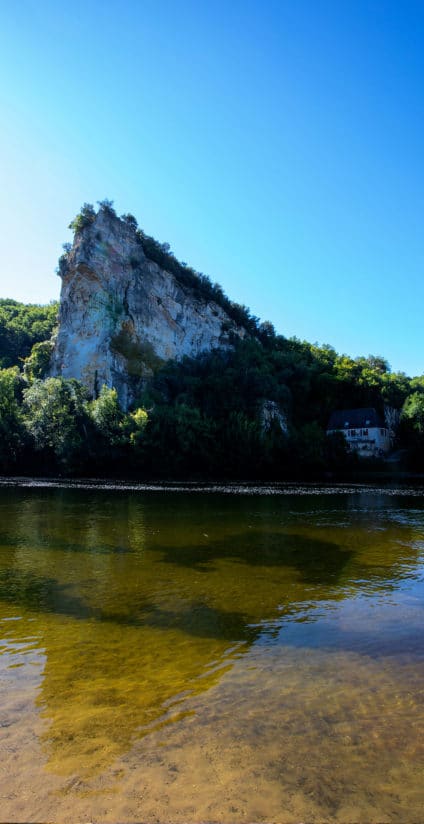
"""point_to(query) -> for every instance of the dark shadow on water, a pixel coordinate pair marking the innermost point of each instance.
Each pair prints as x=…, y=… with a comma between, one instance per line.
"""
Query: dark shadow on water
x=298, y=623
x=203, y=621
x=41, y=594
x=316, y=561
x=48, y=596
x=321, y=565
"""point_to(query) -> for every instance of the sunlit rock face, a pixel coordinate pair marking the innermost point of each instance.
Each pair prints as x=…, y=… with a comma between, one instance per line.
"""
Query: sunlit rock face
x=121, y=315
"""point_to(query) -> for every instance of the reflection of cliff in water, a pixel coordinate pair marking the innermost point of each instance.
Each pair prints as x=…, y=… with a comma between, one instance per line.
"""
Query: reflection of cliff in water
x=138, y=603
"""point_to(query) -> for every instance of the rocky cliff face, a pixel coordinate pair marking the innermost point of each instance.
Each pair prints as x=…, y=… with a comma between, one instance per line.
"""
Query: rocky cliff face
x=121, y=315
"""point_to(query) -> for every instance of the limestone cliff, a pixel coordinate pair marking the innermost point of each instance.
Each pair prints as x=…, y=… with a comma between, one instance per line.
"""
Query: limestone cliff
x=121, y=315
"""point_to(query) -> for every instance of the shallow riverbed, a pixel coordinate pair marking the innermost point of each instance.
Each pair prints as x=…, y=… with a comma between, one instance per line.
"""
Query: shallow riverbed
x=230, y=654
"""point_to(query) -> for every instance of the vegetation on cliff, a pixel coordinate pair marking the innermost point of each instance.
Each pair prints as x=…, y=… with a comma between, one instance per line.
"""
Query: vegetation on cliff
x=160, y=253
x=198, y=416
x=202, y=415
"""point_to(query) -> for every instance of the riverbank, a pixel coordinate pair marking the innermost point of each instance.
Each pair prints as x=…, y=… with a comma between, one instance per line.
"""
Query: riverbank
x=409, y=485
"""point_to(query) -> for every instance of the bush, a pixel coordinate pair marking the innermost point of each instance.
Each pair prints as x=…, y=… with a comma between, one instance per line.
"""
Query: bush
x=84, y=218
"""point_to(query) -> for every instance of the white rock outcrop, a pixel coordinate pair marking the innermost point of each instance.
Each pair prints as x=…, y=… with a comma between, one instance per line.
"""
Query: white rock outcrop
x=121, y=315
x=271, y=414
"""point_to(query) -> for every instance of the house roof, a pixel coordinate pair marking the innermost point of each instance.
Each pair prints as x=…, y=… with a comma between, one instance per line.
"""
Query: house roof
x=354, y=418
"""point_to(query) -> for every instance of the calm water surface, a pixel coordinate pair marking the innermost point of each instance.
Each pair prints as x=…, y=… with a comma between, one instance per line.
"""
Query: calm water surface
x=173, y=656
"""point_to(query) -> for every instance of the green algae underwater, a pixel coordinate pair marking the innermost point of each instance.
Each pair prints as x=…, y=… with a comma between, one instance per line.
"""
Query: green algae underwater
x=171, y=655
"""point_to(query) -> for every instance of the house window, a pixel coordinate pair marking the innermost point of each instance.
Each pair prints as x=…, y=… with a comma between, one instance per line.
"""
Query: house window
x=365, y=432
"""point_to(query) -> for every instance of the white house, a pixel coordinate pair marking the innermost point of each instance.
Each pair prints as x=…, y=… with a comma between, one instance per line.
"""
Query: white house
x=364, y=430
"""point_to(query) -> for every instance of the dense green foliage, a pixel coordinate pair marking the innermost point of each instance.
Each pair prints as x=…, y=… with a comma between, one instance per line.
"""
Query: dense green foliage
x=412, y=427
x=204, y=416
x=21, y=326
x=12, y=433
x=216, y=400
x=51, y=426
x=201, y=416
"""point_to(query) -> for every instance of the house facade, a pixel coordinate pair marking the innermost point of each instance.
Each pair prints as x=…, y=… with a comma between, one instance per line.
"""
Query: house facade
x=364, y=430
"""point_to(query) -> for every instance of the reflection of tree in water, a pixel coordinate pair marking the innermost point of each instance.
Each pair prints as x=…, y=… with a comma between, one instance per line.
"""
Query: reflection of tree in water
x=134, y=612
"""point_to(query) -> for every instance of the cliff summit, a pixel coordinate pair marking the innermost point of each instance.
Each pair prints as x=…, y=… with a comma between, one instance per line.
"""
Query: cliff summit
x=127, y=305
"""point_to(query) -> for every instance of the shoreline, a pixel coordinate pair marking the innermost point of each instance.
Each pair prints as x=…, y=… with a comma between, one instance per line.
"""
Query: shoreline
x=278, y=488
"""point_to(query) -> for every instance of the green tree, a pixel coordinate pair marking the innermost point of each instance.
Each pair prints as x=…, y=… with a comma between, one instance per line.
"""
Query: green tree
x=108, y=417
x=241, y=445
x=12, y=431
x=21, y=326
x=310, y=447
x=137, y=422
x=55, y=418
x=85, y=217
x=417, y=384
x=413, y=412
x=395, y=388
x=37, y=364
x=412, y=429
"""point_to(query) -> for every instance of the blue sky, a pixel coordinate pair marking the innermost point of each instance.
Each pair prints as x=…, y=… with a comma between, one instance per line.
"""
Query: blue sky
x=277, y=146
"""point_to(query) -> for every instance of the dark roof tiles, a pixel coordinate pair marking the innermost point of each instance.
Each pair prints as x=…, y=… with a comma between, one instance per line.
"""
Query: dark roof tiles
x=354, y=419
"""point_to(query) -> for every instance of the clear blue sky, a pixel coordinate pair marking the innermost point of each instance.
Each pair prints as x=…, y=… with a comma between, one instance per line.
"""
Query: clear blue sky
x=277, y=146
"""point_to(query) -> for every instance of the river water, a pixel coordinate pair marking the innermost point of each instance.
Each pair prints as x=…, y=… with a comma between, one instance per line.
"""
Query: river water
x=204, y=654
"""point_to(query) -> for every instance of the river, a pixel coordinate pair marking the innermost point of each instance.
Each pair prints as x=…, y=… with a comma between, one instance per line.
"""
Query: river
x=220, y=654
